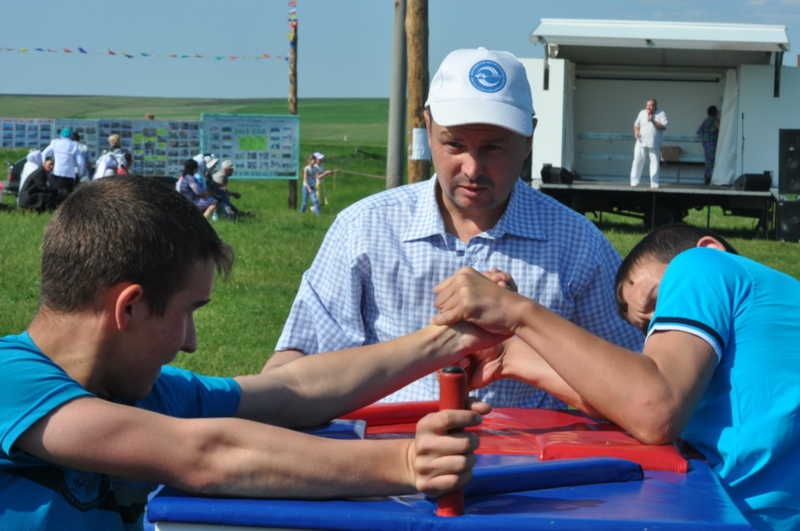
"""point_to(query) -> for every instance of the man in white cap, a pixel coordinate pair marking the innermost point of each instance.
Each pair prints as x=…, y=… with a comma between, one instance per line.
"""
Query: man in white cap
x=67, y=159
x=374, y=276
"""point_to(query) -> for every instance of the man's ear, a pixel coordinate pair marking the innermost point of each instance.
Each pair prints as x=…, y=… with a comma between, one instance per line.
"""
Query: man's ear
x=711, y=242
x=427, y=115
x=124, y=297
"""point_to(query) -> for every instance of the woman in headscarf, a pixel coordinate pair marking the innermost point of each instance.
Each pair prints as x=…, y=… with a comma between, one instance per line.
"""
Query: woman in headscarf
x=32, y=163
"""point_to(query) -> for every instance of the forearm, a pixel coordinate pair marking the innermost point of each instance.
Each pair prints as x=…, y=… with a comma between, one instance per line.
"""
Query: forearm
x=264, y=461
x=524, y=364
x=314, y=389
x=221, y=456
x=623, y=386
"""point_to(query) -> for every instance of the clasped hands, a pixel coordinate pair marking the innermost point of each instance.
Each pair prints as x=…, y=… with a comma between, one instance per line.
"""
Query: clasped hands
x=485, y=300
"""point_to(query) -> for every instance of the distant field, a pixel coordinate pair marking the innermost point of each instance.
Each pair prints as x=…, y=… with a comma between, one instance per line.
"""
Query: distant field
x=362, y=121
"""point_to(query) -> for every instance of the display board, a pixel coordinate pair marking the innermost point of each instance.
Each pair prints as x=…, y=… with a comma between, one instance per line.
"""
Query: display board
x=86, y=128
x=260, y=146
x=26, y=132
x=158, y=147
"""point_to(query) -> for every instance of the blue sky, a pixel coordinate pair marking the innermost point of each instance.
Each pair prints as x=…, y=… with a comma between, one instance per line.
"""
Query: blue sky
x=344, y=45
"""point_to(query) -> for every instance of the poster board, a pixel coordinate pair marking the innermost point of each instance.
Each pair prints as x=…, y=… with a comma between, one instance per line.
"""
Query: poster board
x=260, y=146
x=159, y=147
x=86, y=128
x=25, y=132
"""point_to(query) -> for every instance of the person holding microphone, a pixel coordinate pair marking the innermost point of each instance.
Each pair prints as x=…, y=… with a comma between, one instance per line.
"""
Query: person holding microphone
x=649, y=130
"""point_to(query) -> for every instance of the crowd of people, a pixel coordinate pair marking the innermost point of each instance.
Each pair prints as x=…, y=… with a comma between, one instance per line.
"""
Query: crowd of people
x=683, y=338
x=51, y=174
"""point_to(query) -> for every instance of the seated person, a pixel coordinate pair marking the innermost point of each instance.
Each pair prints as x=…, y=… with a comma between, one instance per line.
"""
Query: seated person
x=192, y=186
x=107, y=164
x=219, y=182
x=37, y=194
x=125, y=164
x=93, y=418
x=33, y=161
x=718, y=368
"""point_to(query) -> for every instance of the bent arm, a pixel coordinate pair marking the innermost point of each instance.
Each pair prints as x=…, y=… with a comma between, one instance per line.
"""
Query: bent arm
x=314, y=389
x=651, y=395
x=242, y=458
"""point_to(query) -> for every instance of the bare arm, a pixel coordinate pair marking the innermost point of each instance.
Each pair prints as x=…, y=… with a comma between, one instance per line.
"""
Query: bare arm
x=243, y=458
x=518, y=361
x=314, y=389
x=651, y=395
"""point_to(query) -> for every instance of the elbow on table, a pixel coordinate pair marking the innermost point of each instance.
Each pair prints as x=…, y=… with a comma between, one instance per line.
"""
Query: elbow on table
x=656, y=429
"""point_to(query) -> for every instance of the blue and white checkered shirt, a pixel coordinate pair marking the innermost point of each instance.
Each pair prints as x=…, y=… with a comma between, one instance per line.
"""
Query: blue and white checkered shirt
x=374, y=275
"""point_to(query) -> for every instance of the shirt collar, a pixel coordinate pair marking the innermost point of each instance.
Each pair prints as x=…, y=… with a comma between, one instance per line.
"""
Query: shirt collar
x=426, y=219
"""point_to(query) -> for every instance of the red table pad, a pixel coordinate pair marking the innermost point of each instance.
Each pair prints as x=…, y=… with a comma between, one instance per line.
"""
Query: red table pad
x=546, y=434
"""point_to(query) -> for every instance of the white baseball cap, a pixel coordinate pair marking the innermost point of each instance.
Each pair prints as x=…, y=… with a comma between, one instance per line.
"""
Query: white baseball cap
x=480, y=86
x=319, y=156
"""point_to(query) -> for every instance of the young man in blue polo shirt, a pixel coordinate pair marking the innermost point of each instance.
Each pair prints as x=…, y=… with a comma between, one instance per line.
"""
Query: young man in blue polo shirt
x=719, y=367
x=93, y=418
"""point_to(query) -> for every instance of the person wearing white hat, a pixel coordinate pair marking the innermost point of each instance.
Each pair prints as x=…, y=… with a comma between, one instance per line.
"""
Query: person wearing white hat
x=374, y=276
x=321, y=194
x=219, y=181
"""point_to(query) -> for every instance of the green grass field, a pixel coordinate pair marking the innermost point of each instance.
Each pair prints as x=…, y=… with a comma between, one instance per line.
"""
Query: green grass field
x=239, y=329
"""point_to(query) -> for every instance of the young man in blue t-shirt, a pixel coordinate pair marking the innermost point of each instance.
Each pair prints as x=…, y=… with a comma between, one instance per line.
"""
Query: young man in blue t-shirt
x=93, y=418
x=719, y=367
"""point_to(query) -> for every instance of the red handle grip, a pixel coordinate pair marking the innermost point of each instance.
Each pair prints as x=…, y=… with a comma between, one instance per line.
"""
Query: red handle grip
x=452, y=395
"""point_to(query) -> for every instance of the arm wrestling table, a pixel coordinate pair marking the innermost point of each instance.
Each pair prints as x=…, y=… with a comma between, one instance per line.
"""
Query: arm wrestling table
x=537, y=469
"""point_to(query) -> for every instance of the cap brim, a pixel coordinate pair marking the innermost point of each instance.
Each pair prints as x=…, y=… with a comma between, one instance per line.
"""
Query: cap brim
x=451, y=113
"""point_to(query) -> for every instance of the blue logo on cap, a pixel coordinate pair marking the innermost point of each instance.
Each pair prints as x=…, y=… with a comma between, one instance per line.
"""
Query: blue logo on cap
x=487, y=76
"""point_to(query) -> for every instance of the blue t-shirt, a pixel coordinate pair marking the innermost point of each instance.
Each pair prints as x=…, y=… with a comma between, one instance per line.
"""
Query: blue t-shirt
x=747, y=423
x=39, y=495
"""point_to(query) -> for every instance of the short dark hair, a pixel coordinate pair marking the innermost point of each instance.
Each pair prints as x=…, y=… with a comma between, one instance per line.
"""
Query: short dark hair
x=190, y=167
x=712, y=110
x=661, y=245
x=125, y=229
x=76, y=137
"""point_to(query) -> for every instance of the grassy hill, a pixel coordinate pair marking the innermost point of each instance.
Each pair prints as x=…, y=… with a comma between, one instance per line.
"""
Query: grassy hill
x=362, y=121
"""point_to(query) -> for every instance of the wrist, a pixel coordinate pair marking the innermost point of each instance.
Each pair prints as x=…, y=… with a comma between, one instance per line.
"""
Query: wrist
x=410, y=472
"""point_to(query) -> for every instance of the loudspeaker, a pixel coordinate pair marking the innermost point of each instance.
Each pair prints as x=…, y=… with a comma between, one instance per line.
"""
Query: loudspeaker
x=787, y=226
x=753, y=182
x=555, y=175
x=789, y=161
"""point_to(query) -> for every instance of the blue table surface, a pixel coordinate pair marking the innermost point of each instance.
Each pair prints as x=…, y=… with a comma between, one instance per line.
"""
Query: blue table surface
x=659, y=500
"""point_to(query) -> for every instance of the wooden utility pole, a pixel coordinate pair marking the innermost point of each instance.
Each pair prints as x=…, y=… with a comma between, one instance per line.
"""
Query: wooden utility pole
x=419, y=166
x=395, y=153
x=293, y=101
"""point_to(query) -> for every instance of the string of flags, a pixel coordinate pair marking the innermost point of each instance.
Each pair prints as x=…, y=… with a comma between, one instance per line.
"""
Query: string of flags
x=83, y=51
